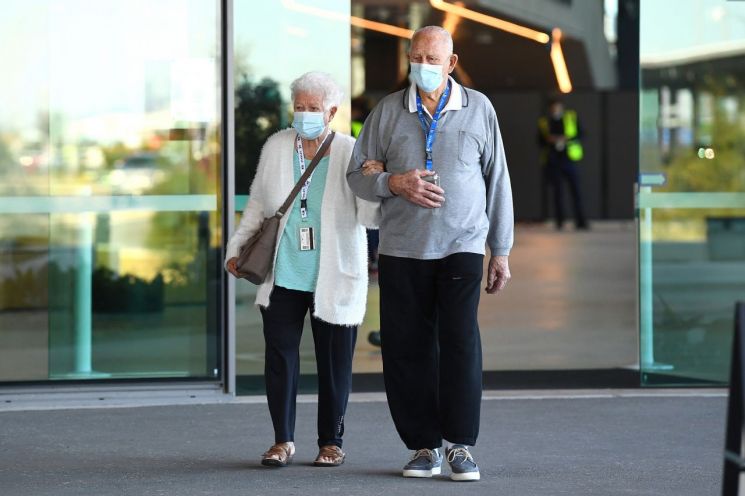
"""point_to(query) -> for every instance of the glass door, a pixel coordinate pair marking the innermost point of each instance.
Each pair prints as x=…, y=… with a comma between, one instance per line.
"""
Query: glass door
x=276, y=42
x=691, y=197
x=109, y=182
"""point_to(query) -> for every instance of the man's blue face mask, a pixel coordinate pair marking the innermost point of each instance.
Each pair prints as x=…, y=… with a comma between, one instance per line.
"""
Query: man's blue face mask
x=309, y=125
x=428, y=77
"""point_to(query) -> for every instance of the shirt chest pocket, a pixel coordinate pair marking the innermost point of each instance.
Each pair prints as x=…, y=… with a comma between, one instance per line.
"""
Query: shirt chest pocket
x=470, y=148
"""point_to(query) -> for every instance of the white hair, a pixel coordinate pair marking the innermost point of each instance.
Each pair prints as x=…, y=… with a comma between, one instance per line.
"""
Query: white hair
x=318, y=83
x=437, y=31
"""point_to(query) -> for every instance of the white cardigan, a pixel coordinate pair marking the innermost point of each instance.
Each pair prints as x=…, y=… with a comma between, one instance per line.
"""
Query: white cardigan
x=341, y=290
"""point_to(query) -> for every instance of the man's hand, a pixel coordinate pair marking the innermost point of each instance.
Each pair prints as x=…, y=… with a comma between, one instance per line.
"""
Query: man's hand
x=371, y=167
x=232, y=267
x=411, y=186
x=499, y=274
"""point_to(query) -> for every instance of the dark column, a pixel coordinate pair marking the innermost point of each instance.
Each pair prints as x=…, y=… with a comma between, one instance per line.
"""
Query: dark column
x=628, y=44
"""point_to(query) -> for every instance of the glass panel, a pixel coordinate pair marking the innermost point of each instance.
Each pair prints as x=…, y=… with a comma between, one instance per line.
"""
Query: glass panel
x=275, y=42
x=24, y=294
x=571, y=303
x=109, y=174
x=692, y=188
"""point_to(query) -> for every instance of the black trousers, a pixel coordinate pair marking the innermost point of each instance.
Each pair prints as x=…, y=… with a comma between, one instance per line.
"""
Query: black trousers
x=558, y=171
x=334, y=345
x=432, y=347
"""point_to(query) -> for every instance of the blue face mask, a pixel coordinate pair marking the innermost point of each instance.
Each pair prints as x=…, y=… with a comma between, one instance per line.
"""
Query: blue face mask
x=309, y=125
x=428, y=77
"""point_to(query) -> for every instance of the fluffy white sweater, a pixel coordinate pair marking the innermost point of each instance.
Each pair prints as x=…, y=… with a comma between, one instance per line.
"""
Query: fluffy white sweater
x=341, y=290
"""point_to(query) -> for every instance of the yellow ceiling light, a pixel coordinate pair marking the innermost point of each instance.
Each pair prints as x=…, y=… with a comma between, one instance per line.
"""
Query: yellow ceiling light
x=491, y=21
x=453, y=13
x=451, y=21
x=381, y=27
x=450, y=24
x=557, y=55
x=560, y=66
x=354, y=21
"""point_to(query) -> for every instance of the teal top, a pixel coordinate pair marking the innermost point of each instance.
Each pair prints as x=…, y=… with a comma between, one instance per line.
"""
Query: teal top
x=297, y=269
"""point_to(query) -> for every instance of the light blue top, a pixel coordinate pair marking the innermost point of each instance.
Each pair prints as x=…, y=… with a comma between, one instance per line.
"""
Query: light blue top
x=297, y=269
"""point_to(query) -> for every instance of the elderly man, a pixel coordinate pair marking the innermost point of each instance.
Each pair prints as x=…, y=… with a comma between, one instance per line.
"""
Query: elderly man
x=433, y=155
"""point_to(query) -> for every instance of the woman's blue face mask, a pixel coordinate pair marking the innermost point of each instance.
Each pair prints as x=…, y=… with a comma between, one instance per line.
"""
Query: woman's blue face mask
x=428, y=77
x=309, y=125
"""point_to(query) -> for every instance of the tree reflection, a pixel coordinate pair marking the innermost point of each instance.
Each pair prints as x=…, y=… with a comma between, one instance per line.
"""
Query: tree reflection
x=258, y=114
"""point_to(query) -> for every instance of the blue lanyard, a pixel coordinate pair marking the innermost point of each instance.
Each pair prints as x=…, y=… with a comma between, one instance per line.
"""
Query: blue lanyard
x=306, y=186
x=429, y=131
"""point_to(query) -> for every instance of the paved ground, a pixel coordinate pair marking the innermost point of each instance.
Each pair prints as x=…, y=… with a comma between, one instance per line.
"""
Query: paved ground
x=599, y=444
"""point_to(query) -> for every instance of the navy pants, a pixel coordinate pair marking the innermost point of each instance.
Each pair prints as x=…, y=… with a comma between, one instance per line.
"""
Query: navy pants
x=334, y=345
x=432, y=347
x=557, y=173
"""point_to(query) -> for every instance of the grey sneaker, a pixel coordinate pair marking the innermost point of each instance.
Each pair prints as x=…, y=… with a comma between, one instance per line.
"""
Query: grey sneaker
x=462, y=466
x=424, y=463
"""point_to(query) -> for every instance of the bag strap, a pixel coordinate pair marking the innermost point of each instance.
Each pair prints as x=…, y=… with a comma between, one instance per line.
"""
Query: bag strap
x=317, y=158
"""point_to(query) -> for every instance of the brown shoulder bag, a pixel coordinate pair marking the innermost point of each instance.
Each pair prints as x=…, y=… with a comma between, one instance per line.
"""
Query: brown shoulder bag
x=257, y=254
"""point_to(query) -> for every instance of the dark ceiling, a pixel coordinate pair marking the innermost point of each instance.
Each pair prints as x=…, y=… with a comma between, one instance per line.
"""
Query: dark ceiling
x=494, y=59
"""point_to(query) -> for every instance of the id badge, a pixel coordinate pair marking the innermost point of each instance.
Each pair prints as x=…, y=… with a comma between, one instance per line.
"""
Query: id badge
x=307, y=242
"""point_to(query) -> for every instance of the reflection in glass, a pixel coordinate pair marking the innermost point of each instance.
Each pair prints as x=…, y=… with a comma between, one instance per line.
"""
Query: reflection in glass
x=692, y=219
x=109, y=174
x=269, y=54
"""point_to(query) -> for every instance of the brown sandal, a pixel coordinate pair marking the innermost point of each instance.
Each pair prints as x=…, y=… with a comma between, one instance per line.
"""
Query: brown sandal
x=330, y=452
x=278, y=455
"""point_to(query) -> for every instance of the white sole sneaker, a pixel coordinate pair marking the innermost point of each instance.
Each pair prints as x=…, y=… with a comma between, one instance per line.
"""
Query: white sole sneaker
x=423, y=473
x=466, y=476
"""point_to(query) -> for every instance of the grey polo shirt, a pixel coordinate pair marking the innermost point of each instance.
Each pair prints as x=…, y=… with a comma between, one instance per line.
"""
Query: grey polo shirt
x=469, y=157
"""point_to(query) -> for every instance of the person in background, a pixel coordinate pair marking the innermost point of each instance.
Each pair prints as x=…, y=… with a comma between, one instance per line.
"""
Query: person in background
x=360, y=111
x=560, y=135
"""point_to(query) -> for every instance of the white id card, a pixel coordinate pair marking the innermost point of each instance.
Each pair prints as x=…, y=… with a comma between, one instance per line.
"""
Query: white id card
x=306, y=239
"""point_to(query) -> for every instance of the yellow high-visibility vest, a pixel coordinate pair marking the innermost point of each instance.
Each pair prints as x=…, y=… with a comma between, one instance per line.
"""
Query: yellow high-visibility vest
x=356, y=129
x=575, y=151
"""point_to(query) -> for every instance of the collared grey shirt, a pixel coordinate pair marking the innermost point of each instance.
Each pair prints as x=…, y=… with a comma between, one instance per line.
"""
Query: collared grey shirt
x=468, y=154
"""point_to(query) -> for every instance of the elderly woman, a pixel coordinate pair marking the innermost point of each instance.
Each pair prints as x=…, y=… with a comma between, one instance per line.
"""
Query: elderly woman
x=326, y=277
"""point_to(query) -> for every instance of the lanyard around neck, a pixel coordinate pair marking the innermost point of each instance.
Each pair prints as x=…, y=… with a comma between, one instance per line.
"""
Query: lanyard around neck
x=306, y=186
x=429, y=131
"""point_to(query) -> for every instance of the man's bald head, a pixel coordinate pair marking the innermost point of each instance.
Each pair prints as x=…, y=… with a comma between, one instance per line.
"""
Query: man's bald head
x=434, y=34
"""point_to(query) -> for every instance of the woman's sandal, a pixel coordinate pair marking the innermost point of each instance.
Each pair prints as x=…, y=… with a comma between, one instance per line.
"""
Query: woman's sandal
x=278, y=455
x=329, y=456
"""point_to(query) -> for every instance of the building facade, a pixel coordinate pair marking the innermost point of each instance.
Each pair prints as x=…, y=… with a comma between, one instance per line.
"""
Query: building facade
x=130, y=131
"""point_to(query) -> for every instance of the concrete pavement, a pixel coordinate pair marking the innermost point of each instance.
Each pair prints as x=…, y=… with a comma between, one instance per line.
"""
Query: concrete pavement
x=531, y=443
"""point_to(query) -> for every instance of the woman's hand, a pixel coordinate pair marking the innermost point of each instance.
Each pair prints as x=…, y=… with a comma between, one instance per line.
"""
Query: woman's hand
x=232, y=268
x=371, y=167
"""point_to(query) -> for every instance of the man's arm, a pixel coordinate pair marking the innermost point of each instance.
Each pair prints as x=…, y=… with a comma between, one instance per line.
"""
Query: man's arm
x=368, y=179
x=371, y=187
x=498, y=208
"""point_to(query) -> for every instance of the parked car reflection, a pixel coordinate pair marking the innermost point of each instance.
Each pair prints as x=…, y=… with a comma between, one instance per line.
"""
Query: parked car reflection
x=136, y=174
